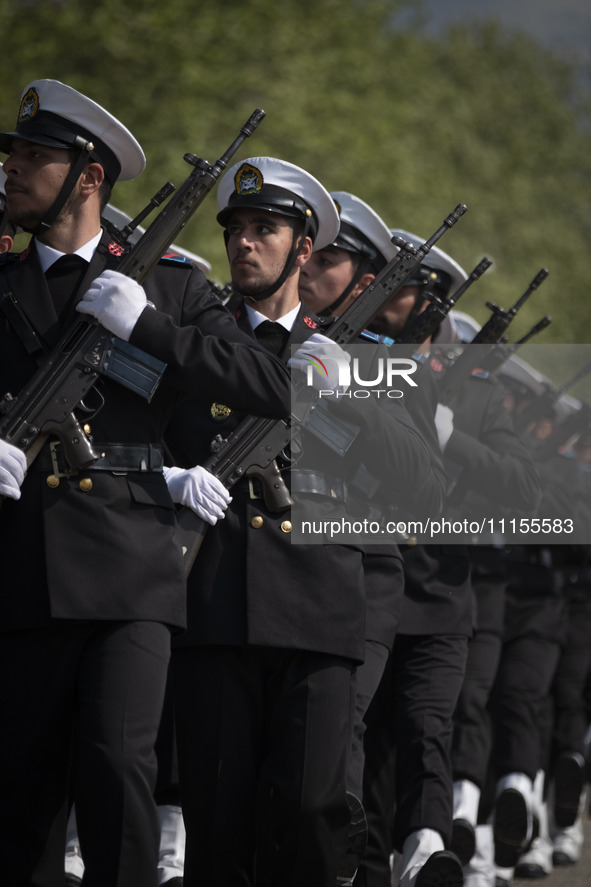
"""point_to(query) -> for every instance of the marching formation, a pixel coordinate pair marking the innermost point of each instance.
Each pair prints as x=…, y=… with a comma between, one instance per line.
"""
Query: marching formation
x=297, y=568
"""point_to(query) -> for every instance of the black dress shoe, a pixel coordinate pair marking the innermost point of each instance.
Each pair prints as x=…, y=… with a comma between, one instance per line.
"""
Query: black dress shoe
x=442, y=869
x=559, y=857
x=463, y=840
x=173, y=882
x=73, y=881
x=530, y=871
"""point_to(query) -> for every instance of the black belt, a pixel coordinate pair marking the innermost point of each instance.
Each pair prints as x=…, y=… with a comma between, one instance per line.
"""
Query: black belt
x=318, y=484
x=115, y=457
x=301, y=481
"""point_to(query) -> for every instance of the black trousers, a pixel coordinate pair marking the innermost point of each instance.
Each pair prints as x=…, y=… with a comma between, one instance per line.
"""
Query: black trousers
x=81, y=703
x=574, y=667
x=407, y=748
x=472, y=734
x=367, y=680
x=519, y=704
x=250, y=718
x=167, y=785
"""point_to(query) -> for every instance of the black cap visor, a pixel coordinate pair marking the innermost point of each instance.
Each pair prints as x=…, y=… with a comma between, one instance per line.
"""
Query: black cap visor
x=274, y=200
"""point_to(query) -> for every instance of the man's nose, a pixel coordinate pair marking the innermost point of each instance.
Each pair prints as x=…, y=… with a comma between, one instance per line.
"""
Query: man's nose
x=10, y=165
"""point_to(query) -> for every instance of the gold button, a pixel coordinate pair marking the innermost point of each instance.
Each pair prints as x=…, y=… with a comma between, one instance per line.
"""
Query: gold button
x=86, y=429
x=85, y=484
x=412, y=540
x=52, y=480
x=256, y=522
x=286, y=526
x=219, y=412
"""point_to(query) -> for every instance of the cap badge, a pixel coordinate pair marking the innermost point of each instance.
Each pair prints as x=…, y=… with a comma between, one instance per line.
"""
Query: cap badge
x=29, y=105
x=248, y=180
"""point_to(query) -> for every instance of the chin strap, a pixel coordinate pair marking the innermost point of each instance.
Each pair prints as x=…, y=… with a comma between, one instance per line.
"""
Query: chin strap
x=363, y=267
x=83, y=149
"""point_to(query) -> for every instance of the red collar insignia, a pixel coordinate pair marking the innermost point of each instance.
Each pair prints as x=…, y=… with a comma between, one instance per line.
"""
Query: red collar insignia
x=309, y=321
x=116, y=249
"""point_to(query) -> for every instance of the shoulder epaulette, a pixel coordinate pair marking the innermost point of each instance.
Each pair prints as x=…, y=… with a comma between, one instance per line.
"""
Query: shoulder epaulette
x=173, y=258
x=371, y=337
x=378, y=338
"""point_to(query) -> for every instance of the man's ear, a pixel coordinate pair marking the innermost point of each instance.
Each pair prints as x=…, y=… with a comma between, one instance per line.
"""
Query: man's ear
x=363, y=282
x=6, y=243
x=91, y=178
x=305, y=252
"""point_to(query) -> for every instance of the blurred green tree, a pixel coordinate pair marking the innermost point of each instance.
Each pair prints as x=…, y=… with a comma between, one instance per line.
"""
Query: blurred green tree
x=359, y=94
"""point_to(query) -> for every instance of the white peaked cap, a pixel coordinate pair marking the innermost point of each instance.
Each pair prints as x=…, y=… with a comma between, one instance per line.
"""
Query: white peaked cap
x=355, y=214
x=281, y=187
x=54, y=114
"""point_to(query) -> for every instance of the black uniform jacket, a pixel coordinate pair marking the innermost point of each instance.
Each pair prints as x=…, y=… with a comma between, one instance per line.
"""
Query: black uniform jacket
x=497, y=472
x=492, y=468
x=110, y=552
x=249, y=584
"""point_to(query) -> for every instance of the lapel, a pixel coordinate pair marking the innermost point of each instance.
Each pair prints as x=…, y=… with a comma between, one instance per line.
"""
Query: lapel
x=240, y=315
x=101, y=260
x=26, y=281
x=304, y=325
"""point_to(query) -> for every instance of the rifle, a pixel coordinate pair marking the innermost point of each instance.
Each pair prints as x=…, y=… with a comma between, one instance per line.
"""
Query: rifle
x=496, y=325
x=490, y=334
x=425, y=324
x=87, y=350
x=252, y=448
x=544, y=402
x=501, y=352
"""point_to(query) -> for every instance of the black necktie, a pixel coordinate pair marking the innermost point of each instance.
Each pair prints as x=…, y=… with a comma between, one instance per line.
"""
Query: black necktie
x=271, y=336
x=63, y=279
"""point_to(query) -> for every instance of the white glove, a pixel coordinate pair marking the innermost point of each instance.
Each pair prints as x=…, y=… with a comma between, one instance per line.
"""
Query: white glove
x=116, y=301
x=13, y=465
x=325, y=363
x=444, y=423
x=200, y=490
